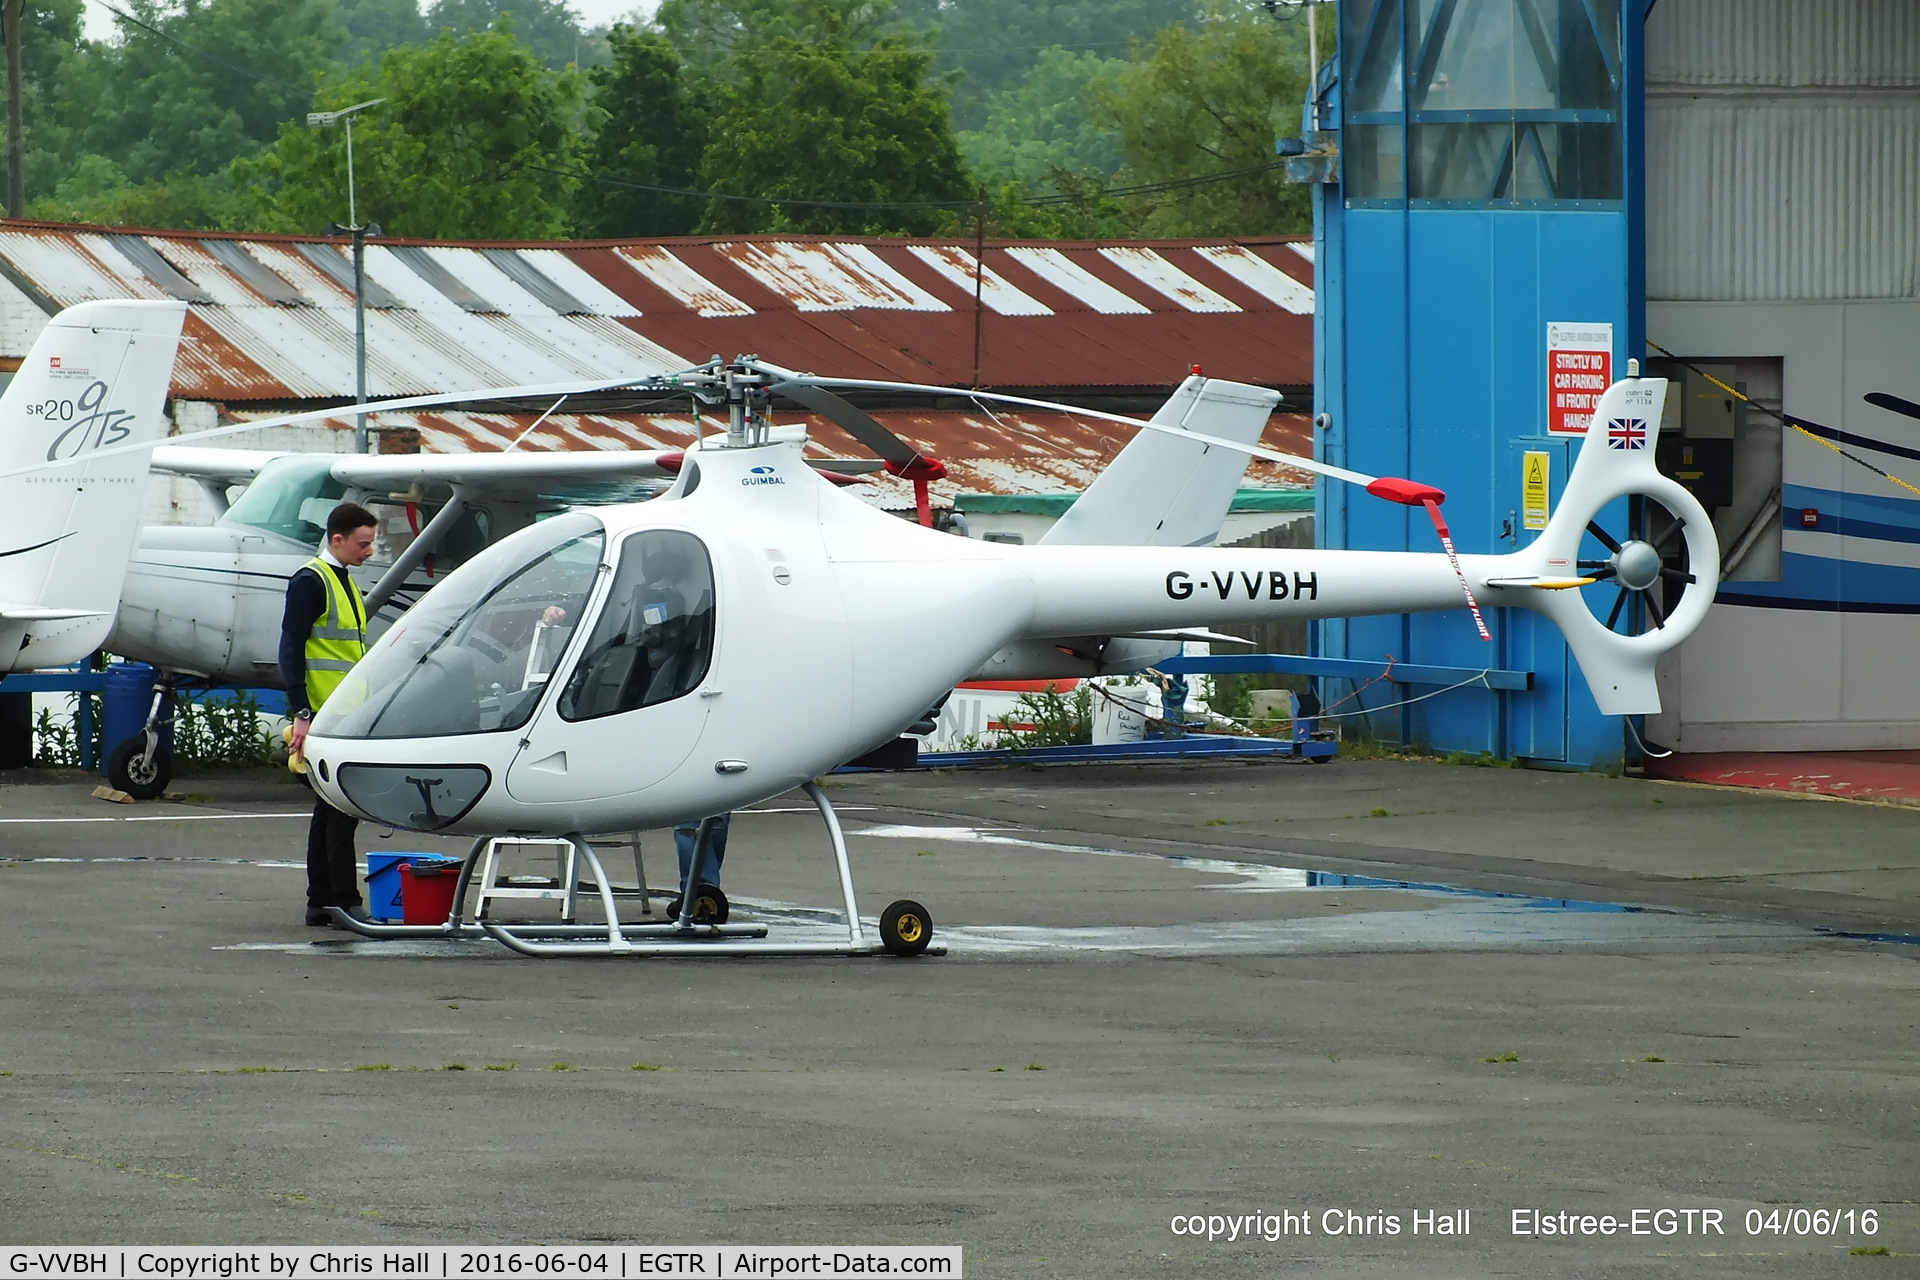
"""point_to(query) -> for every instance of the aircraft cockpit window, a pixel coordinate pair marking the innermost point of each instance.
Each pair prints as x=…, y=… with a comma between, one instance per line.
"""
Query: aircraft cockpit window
x=654, y=639
x=475, y=655
x=291, y=496
x=402, y=522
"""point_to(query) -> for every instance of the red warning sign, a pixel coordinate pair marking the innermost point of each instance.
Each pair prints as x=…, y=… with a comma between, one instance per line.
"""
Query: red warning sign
x=1579, y=369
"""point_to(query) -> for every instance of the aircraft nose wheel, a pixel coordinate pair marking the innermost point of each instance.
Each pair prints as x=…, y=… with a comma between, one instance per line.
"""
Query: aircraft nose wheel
x=906, y=928
x=1643, y=568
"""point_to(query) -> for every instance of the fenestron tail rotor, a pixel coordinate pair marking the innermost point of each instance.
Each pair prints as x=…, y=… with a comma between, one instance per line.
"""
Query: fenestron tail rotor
x=1642, y=569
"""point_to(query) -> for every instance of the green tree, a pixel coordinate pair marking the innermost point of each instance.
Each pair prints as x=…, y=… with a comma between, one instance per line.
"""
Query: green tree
x=649, y=126
x=833, y=114
x=1043, y=124
x=714, y=37
x=996, y=43
x=1207, y=101
x=474, y=141
x=548, y=27
x=375, y=26
x=202, y=81
x=53, y=73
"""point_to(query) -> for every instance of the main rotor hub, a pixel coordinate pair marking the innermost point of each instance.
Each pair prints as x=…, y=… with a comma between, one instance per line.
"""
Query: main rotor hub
x=1637, y=565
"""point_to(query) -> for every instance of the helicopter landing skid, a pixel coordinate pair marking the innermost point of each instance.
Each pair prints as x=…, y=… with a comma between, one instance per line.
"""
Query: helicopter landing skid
x=905, y=932
x=458, y=927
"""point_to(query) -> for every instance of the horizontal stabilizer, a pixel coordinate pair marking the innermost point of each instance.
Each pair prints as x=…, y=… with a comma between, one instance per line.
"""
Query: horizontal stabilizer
x=39, y=613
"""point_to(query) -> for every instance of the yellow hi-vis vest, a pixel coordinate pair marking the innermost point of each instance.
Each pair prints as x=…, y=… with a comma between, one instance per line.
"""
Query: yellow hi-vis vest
x=339, y=636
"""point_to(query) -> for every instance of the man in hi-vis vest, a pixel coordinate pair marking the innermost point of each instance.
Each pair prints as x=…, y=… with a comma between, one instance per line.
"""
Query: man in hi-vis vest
x=323, y=633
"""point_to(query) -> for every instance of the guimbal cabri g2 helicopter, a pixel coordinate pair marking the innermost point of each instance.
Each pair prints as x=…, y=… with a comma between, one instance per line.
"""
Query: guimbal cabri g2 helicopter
x=636, y=666
x=632, y=667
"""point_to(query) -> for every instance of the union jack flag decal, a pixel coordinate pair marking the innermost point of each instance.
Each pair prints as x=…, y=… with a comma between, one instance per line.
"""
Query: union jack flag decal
x=1627, y=433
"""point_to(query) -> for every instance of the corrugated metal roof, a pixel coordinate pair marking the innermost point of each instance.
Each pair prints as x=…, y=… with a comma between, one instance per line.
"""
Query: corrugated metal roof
x=271, y=321
x=276, y=312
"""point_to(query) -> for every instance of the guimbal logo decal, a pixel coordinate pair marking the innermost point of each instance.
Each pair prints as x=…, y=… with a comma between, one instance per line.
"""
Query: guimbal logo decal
x=761, y=475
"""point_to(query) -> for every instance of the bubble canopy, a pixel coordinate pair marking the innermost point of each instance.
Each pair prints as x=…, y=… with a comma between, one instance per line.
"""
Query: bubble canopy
x=476, y=653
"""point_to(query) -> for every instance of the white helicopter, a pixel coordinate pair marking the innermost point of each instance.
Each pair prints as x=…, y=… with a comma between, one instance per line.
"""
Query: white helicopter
x=631, y=667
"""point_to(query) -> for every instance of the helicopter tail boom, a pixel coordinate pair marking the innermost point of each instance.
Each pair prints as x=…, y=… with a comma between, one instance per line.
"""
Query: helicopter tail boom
x=1093, y=591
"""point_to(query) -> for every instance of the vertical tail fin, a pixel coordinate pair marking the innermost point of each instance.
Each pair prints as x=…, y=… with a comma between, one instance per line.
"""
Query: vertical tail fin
x=97, y=376
x=1616, y=461
x=1162, y=491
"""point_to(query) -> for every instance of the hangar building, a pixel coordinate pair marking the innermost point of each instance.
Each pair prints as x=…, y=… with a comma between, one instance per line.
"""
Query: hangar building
x=1513, y=195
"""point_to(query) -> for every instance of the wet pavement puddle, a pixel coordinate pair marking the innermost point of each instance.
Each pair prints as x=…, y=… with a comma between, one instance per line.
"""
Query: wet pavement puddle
x=1423, y=917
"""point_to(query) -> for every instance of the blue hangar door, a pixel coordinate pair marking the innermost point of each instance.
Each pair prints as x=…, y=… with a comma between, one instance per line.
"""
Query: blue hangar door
x=1482, y=197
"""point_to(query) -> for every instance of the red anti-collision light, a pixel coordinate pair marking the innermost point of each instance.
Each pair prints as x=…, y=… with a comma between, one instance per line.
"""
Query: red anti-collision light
x=671, y=462
x=1409, y=492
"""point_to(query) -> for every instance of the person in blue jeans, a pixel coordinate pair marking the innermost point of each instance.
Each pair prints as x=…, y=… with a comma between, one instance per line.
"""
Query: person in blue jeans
x=684, y=839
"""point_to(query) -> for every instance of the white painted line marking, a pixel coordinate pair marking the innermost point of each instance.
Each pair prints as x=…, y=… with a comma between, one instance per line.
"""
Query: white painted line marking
x=159, y=817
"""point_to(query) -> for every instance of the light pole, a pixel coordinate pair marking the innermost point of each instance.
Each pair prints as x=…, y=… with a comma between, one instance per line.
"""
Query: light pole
x=325, y=120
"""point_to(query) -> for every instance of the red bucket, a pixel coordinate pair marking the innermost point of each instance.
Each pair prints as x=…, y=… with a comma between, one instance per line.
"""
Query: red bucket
x=426, y=891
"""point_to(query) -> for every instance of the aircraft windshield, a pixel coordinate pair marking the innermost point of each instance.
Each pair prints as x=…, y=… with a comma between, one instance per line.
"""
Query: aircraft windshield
x=292, y=497
x=475, y=654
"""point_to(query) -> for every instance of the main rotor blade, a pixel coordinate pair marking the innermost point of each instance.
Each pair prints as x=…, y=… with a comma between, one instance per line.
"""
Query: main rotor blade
x=1253, y=450
x=851, y=419
x=662, y=382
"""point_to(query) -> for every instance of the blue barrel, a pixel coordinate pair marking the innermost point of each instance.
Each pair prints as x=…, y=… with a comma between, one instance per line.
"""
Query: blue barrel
x=127, y=700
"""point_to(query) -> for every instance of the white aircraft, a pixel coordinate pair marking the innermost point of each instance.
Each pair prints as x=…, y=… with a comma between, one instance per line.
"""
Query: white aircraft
x=203, y=603
x=752, y=629
x=90, y=395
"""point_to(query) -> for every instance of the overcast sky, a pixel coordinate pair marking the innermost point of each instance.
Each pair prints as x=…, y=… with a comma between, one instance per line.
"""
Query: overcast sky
x=592, y=13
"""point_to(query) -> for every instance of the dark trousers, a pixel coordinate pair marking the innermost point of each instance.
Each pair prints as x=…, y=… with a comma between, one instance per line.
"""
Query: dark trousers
x=333, y=872
x=684, y=839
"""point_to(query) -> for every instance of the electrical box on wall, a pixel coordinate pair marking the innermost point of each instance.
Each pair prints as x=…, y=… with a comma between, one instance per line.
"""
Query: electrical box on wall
x=1707, y=412
x=1704, y=467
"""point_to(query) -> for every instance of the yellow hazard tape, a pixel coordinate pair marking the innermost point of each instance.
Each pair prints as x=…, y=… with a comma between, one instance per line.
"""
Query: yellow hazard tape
x=1786, y=421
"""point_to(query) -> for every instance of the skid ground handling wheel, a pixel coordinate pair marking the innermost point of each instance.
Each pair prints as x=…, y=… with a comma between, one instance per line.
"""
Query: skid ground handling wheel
x=906, y=928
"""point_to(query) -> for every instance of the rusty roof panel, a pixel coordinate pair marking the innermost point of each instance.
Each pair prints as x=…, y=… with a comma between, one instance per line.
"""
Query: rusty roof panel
x=671, y=276
x=209, y=367
x=959, y=267
x=1163, y=277
x=567, y=271
x=1052, y=315
x=1263, y=277
x=1077, y=282
x=829, y=277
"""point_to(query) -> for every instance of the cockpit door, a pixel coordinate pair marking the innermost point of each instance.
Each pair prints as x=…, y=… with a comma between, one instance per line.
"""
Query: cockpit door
x=631, y=708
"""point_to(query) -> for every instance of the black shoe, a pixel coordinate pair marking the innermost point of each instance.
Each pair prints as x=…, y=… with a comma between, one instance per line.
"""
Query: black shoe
x=318, y=918
x=354, y=912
